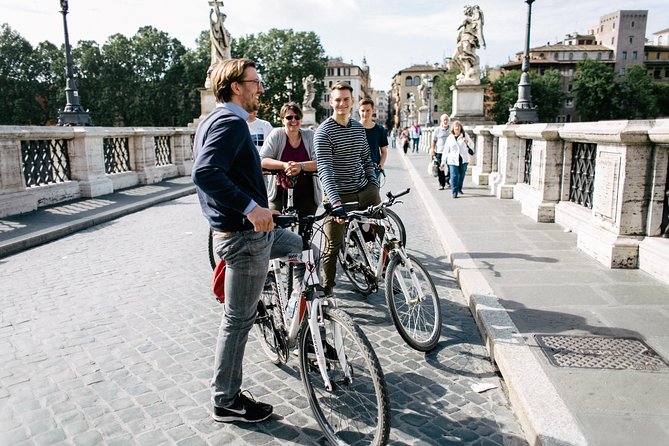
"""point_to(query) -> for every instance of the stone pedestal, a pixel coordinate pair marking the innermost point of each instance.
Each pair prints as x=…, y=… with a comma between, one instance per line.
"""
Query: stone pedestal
x=468, y=105
x=207, y=102
x=424, y=116
x=309, y=117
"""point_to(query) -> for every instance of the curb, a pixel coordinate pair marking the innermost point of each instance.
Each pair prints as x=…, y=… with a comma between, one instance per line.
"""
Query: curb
x=543, y=415
x=30, y=240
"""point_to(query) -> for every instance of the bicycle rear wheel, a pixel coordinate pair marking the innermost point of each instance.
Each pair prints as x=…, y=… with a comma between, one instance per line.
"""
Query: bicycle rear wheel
x=417, y=321
x=356, y=267
x=269, y=323
x=357, y=410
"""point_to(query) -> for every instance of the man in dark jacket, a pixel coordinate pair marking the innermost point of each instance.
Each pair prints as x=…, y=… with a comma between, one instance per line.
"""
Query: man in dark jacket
x=232, y=194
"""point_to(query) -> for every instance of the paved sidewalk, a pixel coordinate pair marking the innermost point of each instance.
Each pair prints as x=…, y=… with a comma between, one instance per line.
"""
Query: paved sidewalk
x=24, y=231
x=524, y=278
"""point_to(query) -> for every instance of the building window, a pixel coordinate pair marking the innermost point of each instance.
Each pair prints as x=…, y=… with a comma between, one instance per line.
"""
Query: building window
x=585, y=56
x=634, y=55
x=599, y=56
x=569, y=87
x=542, y=56
x=656, y=74
x=614, y=25
x=556, y=56
x=666, y=72
x=622, y=71
x=338, y=72
x=408, y=82
x=613, y=40
x=657, y=56
x=330, y=71
x=631, y=39
x=416, y=80
x=569, y=103
x=624, y=55
x=436, y=108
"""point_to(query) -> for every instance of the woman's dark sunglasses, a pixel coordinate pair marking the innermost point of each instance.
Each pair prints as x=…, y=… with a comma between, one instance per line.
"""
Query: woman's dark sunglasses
x=291, y=117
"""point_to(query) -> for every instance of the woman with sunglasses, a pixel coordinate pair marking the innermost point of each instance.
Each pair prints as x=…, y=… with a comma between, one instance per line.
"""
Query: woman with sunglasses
x=291, y=149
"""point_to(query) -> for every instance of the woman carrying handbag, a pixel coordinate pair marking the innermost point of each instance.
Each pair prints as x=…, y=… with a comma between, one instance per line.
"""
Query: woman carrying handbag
x=458, y=148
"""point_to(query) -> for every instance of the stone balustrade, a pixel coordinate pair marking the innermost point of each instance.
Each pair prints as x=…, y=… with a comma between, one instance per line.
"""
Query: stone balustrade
x=608, y=182
x=45, y=165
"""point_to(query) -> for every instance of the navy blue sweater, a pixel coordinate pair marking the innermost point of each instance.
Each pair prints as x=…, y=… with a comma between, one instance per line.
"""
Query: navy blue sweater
x=226, y=170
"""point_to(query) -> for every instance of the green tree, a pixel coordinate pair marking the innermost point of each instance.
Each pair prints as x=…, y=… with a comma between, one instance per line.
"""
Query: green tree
x=49, y=74
x=442, y=90
x=547, y=95
x=595, y=91
x=504, y=95
x=637, y=96
x=280, y=54
x=196, y=63
x=18, y=88
x=661, y=93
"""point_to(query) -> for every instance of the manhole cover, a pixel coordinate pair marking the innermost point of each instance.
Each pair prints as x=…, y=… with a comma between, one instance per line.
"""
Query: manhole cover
x=596, y=352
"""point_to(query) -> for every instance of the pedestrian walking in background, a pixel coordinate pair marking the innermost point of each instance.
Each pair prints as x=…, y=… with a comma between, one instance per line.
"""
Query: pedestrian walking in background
x=404, y=140
x=456, y=155
x=439, y=137
x=414, y=132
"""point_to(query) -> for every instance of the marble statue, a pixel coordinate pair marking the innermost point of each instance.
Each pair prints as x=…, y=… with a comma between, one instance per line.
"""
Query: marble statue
x=470, y=37
x=423, y=90
x=309, y=92
x=219, y=36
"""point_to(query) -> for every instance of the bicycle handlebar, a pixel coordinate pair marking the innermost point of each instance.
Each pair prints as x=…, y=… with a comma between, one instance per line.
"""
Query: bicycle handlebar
x=384, y=204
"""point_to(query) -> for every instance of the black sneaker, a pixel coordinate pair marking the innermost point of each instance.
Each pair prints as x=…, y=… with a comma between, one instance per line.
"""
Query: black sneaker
x=244, y=409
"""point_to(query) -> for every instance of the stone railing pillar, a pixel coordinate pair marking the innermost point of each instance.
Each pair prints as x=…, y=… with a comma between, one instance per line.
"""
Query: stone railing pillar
x=509, y=163
x=612, y=230
x=87, y=164
x=483, y=165
x=182, y=151
x=538, y=198
x=14, y=199
x=143, y=146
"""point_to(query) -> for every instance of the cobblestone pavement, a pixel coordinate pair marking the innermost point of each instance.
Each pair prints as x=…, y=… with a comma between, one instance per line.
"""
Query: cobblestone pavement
x=107, y=337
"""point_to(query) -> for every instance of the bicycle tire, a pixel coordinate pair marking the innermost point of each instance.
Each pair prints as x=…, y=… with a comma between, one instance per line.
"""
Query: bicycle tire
x=269, y=327
x=398, y=226
x=418, y=323
x=355, y=265
x=213, y=257
x=355, y=411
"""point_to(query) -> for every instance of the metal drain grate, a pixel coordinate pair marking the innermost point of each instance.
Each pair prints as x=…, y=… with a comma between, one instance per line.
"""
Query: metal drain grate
x=596, y=352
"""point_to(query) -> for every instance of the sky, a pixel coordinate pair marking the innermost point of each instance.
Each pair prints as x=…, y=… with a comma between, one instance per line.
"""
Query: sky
x=390, y=34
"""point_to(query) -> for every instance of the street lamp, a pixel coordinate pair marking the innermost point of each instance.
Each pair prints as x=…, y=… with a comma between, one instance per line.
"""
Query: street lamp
x=73, y=113
x=523, y=112
x=289, y=87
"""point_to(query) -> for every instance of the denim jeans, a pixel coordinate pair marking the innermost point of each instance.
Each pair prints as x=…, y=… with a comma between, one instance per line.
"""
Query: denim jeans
x=457, y=177
x=247, y=255
x=334, y=232
x=415, y=144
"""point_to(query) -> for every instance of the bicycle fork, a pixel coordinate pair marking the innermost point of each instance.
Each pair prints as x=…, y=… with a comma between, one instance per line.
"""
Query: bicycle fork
x=315, y=320
x=418, y=296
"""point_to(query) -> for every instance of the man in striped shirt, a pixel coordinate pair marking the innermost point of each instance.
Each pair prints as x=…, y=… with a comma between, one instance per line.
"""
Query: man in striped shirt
x=345, y=169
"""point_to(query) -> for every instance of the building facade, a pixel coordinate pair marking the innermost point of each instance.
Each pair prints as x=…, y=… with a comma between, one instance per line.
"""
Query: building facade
x=618, y=40
x=405, y=97
x=357, y=76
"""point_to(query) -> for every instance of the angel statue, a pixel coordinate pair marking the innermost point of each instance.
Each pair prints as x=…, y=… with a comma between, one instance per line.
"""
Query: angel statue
x=309, y=92
x=470, y=37
x=220, y=37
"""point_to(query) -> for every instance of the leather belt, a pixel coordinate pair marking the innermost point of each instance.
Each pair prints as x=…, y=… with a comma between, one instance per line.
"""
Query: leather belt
x=223, y=234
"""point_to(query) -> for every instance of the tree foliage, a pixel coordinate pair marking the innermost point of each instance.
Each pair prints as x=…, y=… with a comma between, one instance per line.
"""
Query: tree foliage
x=595, y=91
x=442, y=90
x=637, y=96
x=279, y=54
x=546, y=91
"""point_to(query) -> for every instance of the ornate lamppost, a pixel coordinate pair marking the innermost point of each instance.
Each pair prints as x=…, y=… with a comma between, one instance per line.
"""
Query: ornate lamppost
x=73, y=113
x=289, y=87
x=523, y=112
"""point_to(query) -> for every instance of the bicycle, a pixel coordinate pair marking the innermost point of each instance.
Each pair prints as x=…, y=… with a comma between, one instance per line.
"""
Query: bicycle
x=410, y=293
x=340, y=372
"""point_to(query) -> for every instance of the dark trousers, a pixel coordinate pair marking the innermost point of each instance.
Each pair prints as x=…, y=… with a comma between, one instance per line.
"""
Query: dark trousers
x=444, y=176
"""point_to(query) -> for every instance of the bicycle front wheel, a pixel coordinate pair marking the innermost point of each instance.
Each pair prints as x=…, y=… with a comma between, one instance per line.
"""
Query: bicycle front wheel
x=416, y=314
x=356, y=267
x=357, y=410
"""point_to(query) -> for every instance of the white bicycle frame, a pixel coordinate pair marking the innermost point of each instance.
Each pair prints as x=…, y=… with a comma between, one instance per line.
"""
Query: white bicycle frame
x=355, y=226
x=313, y=311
